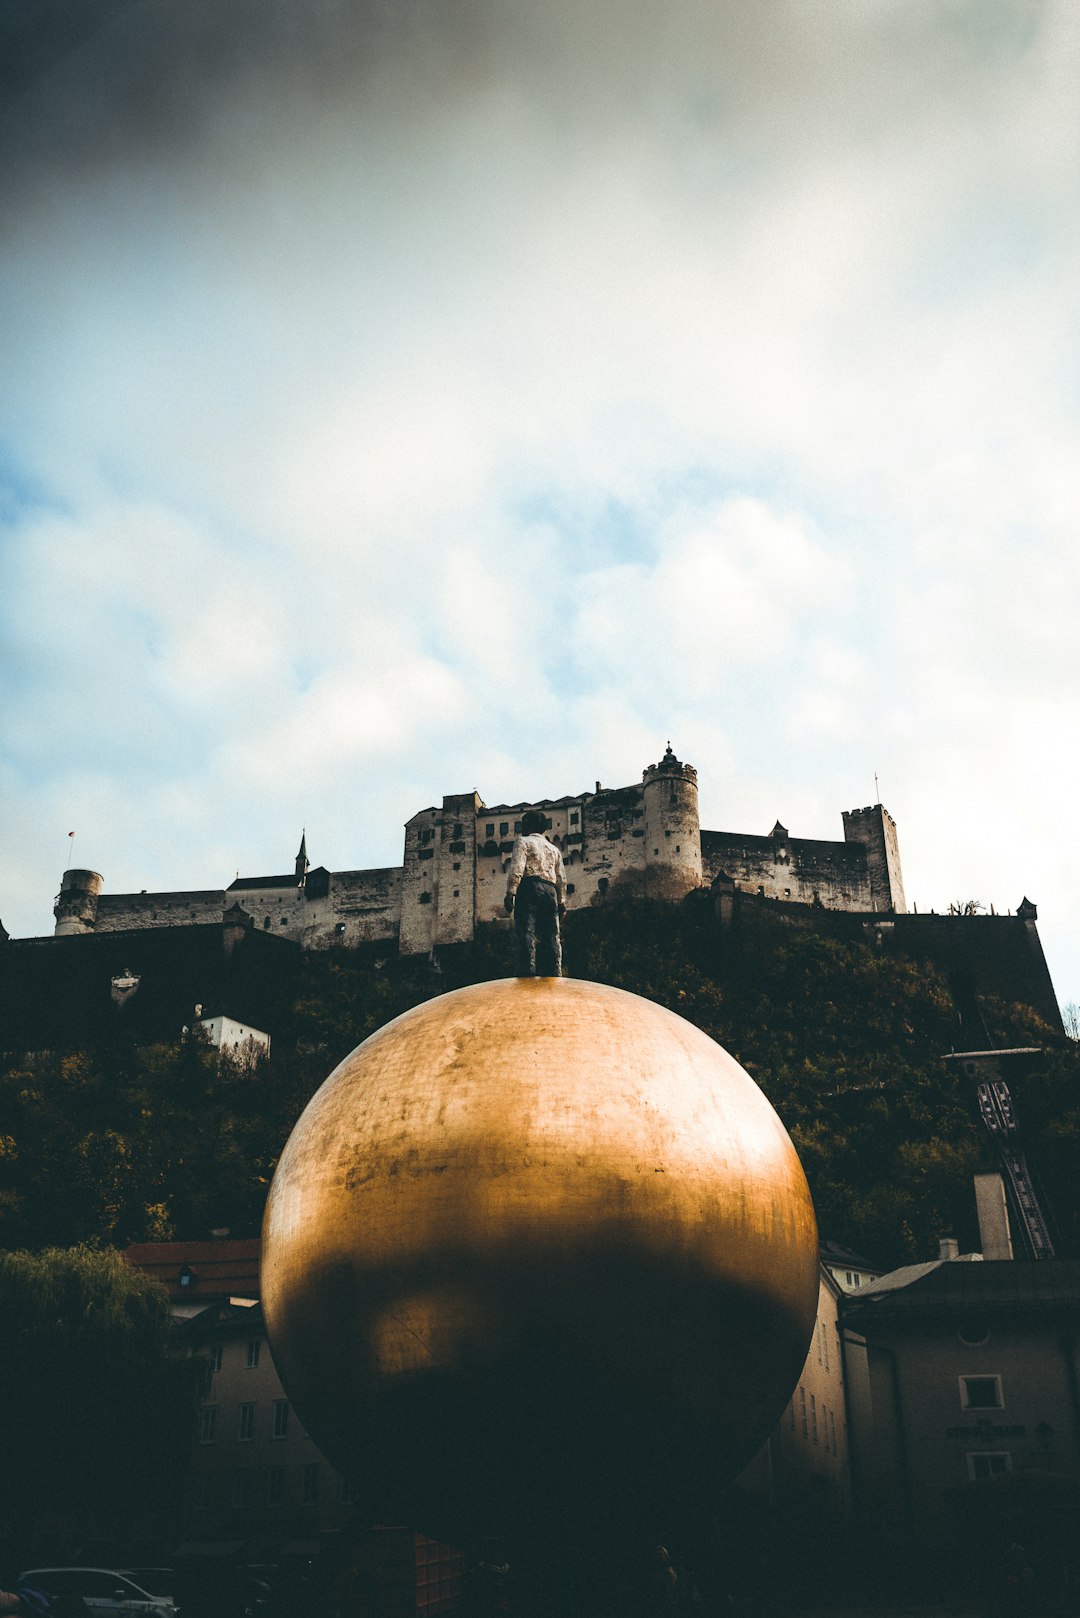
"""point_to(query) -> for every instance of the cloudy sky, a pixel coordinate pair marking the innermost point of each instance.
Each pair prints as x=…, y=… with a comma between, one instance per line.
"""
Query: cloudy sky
x=407, y=396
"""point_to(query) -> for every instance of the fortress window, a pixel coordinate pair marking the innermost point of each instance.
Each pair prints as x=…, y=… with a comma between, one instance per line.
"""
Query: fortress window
x=490, y=829
x=981, y=1393
x=602, y=885
x=569, y=887
x=457, y=828
x=988, y=1464
x=457, y=893
x=266, y=921
x=573, y=817
x=504, y=827
x=284, y=922
x=425, y=898
x=517, y=827
x=457, y=865
x=787, y=893
x=678, y=848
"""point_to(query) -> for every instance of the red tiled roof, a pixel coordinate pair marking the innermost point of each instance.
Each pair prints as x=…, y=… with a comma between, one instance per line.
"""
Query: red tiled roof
x=216, y=1269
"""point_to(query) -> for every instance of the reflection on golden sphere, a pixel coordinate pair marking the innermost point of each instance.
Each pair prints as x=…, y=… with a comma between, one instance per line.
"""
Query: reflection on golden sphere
x=538, y=1248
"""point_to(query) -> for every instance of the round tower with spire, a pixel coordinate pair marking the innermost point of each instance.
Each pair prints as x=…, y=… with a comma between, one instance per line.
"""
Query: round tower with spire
x=672, y=828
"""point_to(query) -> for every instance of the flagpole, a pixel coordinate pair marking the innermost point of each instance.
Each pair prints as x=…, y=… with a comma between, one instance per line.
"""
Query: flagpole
x=71, y=845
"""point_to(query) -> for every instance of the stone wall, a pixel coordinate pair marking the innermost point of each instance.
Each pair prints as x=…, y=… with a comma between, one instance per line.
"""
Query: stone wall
x=120, y=912
x=802, y=869
x=359, y=907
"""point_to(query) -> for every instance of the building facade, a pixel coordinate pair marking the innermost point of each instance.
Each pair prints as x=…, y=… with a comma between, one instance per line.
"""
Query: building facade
x=964, y=1408
x=804, y=1465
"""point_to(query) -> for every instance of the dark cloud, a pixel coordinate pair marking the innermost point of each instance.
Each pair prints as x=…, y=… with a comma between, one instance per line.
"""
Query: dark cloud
x=117, y=80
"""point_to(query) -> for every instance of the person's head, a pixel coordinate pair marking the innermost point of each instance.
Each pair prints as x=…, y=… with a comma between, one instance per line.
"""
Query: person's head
x=532, y=821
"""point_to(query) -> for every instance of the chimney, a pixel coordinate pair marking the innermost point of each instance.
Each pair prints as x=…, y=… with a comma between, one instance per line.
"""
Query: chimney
x=992, y=1209
x=948, y=1248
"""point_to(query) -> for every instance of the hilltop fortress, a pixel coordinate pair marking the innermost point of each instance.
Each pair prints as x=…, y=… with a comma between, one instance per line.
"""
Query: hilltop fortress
x=233, y=956
x=642, y=841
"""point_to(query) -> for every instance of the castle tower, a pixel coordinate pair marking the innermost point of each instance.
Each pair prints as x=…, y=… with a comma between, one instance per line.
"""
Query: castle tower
x=672, y=828
x=455, y=869
x=875, y=828
x=301, y=858
x=76, y=904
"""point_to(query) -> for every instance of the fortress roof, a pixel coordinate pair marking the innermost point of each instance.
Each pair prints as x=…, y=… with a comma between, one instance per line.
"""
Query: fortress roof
x=288, y=881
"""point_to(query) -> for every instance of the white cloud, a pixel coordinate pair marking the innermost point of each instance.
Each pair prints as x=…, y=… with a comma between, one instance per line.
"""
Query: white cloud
x=475, y=395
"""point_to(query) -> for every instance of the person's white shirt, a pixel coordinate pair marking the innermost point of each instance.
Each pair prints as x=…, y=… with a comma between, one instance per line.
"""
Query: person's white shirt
x=534, y=856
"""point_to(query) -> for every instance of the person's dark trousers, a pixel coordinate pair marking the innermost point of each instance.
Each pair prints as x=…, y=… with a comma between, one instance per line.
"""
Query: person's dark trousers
x=537, y=945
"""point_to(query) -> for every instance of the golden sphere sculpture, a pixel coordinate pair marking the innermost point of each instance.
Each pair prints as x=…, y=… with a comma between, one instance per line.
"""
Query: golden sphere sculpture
x=538, y=1253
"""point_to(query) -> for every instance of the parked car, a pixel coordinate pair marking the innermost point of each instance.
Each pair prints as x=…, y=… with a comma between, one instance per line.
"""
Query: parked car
x=106, y=1593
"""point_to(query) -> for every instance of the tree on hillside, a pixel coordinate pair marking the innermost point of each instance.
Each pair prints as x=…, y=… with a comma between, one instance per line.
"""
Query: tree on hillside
x=95, y=1406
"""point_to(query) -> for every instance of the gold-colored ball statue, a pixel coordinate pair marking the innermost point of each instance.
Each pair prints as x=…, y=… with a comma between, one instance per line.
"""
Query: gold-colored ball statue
x=538, y=1253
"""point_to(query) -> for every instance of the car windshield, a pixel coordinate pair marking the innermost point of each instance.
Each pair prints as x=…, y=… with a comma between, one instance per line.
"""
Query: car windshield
x=158, y=1581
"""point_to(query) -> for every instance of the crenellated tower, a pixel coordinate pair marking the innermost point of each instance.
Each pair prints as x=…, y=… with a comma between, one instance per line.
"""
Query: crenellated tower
x=875, y=829
x=76, y=904
x=672, y=828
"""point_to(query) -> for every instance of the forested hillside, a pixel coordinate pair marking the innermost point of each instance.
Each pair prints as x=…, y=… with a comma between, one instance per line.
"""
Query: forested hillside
x=117, y=1143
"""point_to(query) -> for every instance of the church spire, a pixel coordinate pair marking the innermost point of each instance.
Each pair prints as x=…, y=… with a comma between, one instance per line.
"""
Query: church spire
x=301, y=857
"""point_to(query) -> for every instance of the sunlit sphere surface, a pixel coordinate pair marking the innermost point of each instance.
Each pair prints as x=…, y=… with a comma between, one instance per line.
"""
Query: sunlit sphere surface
x=538, y=1252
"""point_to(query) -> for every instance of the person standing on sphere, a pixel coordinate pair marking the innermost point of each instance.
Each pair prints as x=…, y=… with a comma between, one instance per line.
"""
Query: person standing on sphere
x=536, y=894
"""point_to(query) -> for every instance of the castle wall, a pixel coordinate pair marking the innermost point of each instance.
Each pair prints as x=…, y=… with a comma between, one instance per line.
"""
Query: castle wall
x=978, y=956
x=601, y=836
x=496, y=829
x=277, y=908
x=120, y=912
x=805, y=870
x=361, y=907
x=613, y=846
